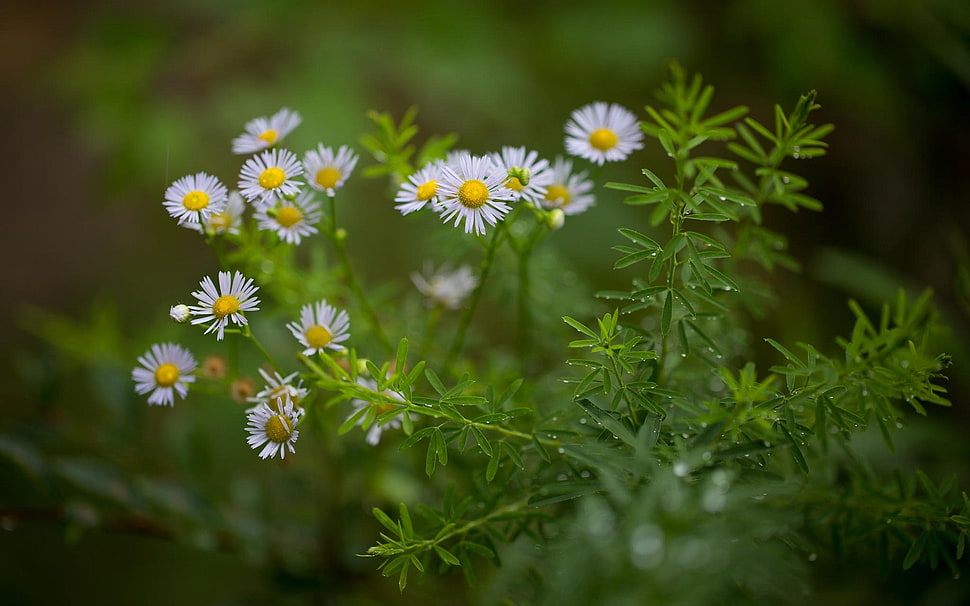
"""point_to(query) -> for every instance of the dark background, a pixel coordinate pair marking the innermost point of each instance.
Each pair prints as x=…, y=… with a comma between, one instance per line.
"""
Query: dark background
x=104, y=104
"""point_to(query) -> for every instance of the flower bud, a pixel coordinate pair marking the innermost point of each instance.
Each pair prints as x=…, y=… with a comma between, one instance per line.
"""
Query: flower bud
x=522, y=174
x=555, y=219
x=179, y=313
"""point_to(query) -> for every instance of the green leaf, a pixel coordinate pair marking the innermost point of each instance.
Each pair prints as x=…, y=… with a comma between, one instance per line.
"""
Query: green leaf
x=482, y=440
x=416, y=437
x=435, y=382
x=406, y=526
x=446, y=556
x=580, y=327
x=386, y=521
x=639, y=238
x=667, y=312
x=492, y=467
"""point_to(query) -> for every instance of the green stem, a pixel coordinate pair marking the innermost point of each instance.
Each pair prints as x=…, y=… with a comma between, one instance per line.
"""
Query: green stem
x=466, y=318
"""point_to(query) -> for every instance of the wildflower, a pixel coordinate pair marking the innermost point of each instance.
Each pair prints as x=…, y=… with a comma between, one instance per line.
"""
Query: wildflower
x=274, y=427
x=420, y=189
x=214, y=367
x=193, y=199
x=278, y=386
x=472, y=190
x=518, y=163
x=320, y=327
x=269, y=176
x=234, y=296
x=568, y=191
x=327, y=171
x=445, y=288
x=179, y=313
x=266, y=132
x=602, y=132
x=165, y=370
x=228, y=220
x=241, y=389
x=292, y=221
x=377, y=427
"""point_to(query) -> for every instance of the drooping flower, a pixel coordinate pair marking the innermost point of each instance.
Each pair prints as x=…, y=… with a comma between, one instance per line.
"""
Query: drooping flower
x=518, y=159
x=568, y=191
x=278, y=386
x=472, y=191
x=166, y=369
x=321, y=327
x=444, y=287
x=270, y=176
x=420, y=190
x=233, y=297
x=273, y=429
x=377, y=427
x=264, y=132
x=291, y=220
x=327, y=171
x=194, y=198
x=603, y=132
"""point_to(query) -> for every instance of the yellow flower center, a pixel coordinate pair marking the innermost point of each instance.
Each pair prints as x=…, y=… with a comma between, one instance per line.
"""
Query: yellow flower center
x=328, y=177
x=473, y=193
x=272, y=177
x=288, y=216
x=224, y=306
x=427, y=190
x=269, y=136
x=166, y=375
x=557, y=194
x=318, y=336
x=514, y=183
x=279, y=429
x=603, y=139
x=195, y=200
x=220, y=221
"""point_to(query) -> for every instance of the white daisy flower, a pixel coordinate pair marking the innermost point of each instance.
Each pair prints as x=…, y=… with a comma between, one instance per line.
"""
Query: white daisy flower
x=264, y=132
x=273, y=427
x=234, y=296
x=568, y=191
x=327, y=171
x=194, y=198
x=277, y=387
x=320, y=327
x=377, y=428
x=519, y=159
x=472, y=190
x=420, y=189
x=602, y=132
x=445, y=288
x=269, y=176
x=226, y=222
x=166, y=369
x=292, y=221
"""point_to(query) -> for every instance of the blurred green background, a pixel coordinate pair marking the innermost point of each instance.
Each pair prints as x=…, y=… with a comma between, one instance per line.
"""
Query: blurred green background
x=106, y=103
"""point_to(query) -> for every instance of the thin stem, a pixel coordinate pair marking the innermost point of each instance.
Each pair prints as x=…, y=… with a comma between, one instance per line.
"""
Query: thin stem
x=466, y=318
x=338, y=241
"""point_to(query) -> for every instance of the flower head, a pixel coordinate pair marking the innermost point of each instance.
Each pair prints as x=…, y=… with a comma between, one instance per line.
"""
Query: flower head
x=277, y=387
x=166, y=369
x=193, y=199
x=233, y=297
x=228, y=220
x=568, y=191
x=444, y=287
x=320, y=327
x=420, y=189
x=269, y=176
x=273, y=429
x=519, y=160
x=292, y=221
x=264, y=132
x=179, y=313
x=326, y=170
x=472, y=190
x=377, y=427
x=602, y=132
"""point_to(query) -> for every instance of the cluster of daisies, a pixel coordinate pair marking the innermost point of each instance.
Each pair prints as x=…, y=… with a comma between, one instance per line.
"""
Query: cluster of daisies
x=477, y=190
x=271, y=181
x=281, y=189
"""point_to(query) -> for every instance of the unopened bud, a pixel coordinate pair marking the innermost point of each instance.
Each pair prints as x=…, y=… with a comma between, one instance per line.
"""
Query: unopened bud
x=341, y=234
x=555, y=219
x=180, y=313
x=522, y=174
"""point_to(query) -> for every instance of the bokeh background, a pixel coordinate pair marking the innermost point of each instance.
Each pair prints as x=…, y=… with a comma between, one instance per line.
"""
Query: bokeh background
x=105, y=103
